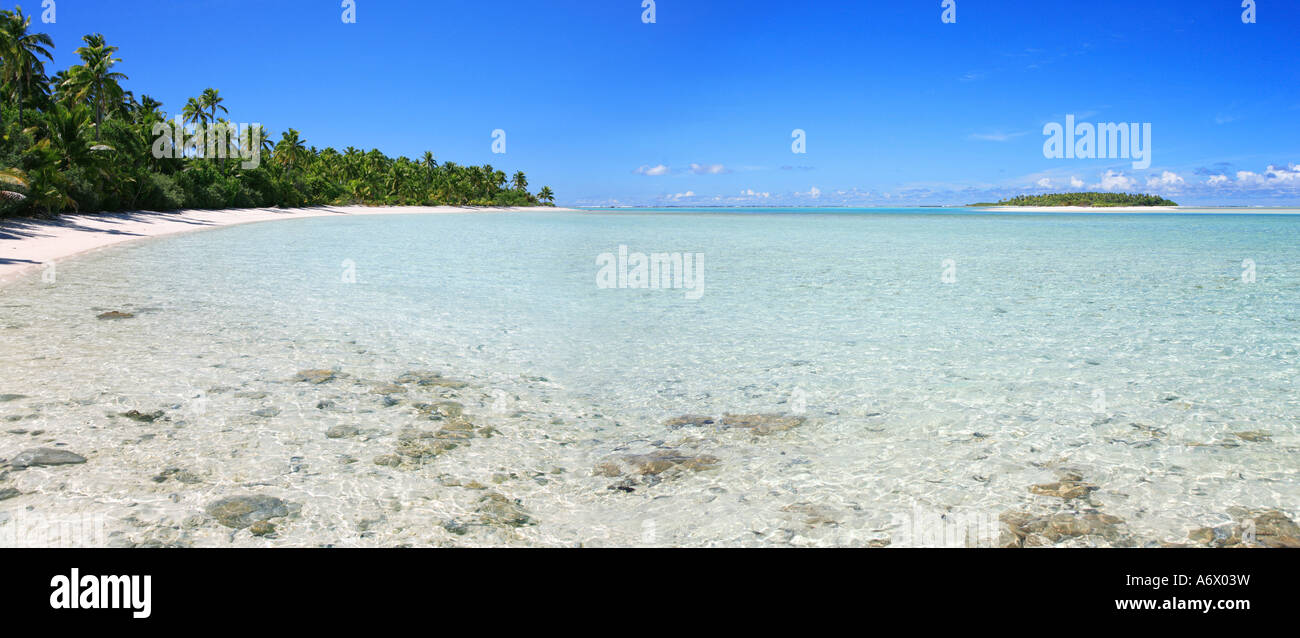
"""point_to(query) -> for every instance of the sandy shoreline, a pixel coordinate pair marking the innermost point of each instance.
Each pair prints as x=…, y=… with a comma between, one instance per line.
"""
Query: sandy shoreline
x=27, y=243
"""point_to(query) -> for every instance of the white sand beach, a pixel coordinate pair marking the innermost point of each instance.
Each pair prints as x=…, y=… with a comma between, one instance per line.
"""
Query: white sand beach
x=29, y=243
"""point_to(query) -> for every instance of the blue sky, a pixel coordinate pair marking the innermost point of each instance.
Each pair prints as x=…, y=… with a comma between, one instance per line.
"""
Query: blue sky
x=699, y=107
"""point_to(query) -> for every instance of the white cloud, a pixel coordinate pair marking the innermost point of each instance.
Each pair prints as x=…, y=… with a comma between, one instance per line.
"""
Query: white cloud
x=652, y=170
x=993, y=137
x=749, y=192
x=1166, y=180
x=1112, y=181
x=1250, y=178
x=1289, y=174
x=709, y=169
x=1075, y=182
x=679, y=196
x=1044, y=183
x=1272, y=177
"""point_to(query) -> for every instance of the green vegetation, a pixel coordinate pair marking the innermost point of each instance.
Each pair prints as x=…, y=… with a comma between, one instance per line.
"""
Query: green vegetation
x=1083, y=199
x=78, y=141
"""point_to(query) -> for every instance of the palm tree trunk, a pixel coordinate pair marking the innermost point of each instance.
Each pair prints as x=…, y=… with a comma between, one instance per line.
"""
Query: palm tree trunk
x=99, y=114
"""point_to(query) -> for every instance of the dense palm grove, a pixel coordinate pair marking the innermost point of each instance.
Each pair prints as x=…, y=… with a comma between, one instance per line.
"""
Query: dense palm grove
x=78, y=141
x=1084, y=199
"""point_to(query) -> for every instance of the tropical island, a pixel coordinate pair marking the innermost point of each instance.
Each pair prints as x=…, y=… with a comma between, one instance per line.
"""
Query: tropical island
x=1091, y=200
x=78, y=141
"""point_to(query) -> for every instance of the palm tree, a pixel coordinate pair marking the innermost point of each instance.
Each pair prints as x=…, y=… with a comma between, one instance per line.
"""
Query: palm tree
x=47, y=186
x=193, y=112
x=329, y=163
x=212, y=101
x=67, y=128
x=146, y=111
x=22, y=53
x=259, y=132
x=520, y=182
x=94, y=81
x=290, y=149
x=352, y=163
x=546, y=195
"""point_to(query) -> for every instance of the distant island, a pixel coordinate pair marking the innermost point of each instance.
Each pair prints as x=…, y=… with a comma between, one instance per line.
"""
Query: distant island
x=1098, y=200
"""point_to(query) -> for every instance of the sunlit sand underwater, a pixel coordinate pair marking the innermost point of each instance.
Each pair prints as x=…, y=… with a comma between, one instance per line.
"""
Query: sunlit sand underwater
x=841, y=379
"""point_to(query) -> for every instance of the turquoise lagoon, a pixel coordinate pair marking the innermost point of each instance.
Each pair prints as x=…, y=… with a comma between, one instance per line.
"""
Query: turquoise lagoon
x=942, y=362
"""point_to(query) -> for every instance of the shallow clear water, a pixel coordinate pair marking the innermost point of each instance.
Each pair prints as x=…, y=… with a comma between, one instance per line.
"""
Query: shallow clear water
x=1125, y=348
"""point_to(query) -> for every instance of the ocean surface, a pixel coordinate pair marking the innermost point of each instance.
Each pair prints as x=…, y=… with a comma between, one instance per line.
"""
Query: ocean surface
x=917, y=372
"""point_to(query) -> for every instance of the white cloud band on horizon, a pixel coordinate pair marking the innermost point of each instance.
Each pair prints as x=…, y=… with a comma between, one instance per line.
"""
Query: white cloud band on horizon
x=709, y=169
x=1274, y=185
x=994, y=137
x=652, y=170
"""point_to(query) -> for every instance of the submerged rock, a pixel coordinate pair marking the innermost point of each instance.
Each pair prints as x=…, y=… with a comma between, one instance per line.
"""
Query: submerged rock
x=1209, y=536
x=416, y=445
x=5, y=398
x=388, y=460
x=689, y=421
x=8, y=493
x=455, y=527
x=430, y=379
x=655, y=463
x=41, y=457
x=387, y=389
x=1274, y=529
x=184, y=476
x=761, y=423
x=143, y=417
x=452, y=384
x=1255, y=436
x=315, y=377
x=421, y=448
x=1022, y=529
x=814, y=515
x=239, y=512
x=342, y=431
x=1267, y=528
x=497, y=510
x=262, y=528
x=114, y=314
x=463, y=430
x=1066, y=490
x=418, y=377
x=441, y=410
x=1227, y=445
x=266, y=413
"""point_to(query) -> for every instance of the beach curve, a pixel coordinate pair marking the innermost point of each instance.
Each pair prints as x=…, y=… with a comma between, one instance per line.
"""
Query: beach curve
x=30, y=243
